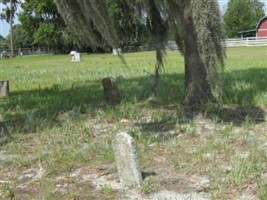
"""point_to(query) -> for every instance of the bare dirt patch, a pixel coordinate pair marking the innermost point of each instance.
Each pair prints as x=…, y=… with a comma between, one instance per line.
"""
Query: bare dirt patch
x=198, y=158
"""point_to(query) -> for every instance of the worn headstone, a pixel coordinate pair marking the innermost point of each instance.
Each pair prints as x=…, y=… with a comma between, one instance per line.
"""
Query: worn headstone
x=126, y=160
x=111, y=91
x=4, y=88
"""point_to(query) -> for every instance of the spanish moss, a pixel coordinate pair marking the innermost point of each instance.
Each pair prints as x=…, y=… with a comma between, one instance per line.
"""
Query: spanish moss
x=162, y=18
x=207, y=19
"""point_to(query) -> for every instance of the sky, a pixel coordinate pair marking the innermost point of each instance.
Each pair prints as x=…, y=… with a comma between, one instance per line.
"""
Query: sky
x=4, y=27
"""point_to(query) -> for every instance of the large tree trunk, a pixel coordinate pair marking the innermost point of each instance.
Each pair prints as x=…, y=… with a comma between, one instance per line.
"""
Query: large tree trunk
x=197, y=87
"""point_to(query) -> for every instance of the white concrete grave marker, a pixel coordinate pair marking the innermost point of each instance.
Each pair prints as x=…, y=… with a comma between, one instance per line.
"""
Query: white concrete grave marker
x=126, y=160
x=75, y=56
x=116, y=52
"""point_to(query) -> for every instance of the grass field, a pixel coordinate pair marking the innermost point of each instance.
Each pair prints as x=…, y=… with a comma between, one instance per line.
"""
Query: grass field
x=57, y=141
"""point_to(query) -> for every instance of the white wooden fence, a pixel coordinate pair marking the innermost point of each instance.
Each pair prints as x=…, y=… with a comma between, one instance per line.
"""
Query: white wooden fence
x=249, y=41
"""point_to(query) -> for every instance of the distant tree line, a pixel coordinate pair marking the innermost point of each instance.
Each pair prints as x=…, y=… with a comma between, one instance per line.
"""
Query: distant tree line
x=40, y=25
x=242, y=15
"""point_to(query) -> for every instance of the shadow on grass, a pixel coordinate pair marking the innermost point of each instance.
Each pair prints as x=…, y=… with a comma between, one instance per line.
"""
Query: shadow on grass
x=244, y=90
x=246, y=87
x=238, y=115
x=28, y=111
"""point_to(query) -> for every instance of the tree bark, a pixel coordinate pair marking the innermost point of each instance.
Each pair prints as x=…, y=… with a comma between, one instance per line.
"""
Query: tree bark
x=158, y=66
x=197, y=87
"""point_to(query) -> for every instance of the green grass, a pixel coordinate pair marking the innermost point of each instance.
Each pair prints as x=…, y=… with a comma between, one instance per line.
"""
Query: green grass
x=44, y=86
x=245, y=76
x=56, y=121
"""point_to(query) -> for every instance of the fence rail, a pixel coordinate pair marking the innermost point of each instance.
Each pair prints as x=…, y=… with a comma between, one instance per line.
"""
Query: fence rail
x=171, y=45
x=26, y=51
x=249, y=41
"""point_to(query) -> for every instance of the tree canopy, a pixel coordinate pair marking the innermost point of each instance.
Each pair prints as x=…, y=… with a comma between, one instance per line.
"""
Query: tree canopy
x=130, y=31
x=20, y=38
x=196, y=25
x=42, y=22
x=8, y=13
x=242, y=15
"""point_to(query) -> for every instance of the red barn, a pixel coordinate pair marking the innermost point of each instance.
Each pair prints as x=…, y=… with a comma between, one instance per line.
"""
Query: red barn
x=261, y=29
